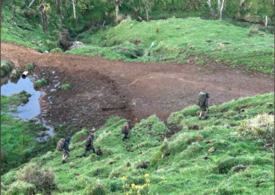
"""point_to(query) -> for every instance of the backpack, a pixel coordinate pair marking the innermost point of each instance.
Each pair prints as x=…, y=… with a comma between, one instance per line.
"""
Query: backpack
x=60, y=144
x=201, y=99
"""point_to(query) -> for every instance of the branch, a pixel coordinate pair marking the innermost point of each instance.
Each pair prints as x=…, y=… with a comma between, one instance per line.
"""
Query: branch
x=31, y=3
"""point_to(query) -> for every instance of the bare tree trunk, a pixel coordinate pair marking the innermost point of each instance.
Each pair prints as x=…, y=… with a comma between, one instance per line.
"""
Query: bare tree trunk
x=211, y=9
x=146, y=10
x=220, y=8
x=75, y=18
x=266, y=21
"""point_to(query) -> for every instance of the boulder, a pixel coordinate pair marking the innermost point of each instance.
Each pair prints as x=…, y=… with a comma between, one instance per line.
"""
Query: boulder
x=76, y=44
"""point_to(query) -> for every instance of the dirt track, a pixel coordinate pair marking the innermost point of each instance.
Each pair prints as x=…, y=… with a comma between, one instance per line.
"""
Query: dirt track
x=133, y=90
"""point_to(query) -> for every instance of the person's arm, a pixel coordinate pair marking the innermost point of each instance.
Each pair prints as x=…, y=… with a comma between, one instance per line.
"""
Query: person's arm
x=206, y=103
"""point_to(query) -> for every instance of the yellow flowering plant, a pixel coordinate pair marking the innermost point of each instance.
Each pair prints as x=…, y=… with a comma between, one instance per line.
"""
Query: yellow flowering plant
x=135, y=189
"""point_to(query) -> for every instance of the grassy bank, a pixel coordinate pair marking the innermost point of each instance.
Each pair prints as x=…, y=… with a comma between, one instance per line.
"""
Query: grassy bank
x=174, y=40
x=181, y=164
x=18, y=29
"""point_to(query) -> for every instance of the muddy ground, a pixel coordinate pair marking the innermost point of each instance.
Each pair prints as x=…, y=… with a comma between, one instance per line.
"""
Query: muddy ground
x=101, y=88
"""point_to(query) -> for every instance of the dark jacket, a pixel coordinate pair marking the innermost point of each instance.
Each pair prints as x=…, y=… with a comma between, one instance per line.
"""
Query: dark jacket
x=89, y=142
x=67, y=142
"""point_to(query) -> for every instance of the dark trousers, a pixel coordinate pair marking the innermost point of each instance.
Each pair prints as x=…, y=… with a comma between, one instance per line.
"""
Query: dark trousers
x=125, y=136
x=87, y=149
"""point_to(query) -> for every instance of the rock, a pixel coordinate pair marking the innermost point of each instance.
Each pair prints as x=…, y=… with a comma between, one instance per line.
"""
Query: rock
x=211, y=150
x=76, y=44
x=239, y=168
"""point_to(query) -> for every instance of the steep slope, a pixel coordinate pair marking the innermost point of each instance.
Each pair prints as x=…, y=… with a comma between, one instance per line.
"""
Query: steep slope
x=181, y=164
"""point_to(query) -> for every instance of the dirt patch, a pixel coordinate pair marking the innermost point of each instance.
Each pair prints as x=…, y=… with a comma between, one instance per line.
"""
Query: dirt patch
x=101, y=88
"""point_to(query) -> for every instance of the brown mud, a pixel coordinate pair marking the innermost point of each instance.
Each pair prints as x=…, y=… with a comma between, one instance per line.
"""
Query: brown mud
x=102, y=88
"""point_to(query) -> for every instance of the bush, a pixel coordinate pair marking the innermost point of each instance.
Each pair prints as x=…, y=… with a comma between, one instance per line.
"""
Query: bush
x=20, y=187
x=40, y=83
x=260, y=127
x=97, y=189
x=56, y=50
x=44, y=180
x=66, y=86
x=5, y=66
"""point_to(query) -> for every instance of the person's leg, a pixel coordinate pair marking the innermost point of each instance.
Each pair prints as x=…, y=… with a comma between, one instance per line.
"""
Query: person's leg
x=124, y=137
x=93, y=149
x=65, y=156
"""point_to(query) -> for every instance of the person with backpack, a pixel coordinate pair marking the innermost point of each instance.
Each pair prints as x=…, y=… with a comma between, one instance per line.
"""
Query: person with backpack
x=126, y=129
x=66, y=149
x=203, y=104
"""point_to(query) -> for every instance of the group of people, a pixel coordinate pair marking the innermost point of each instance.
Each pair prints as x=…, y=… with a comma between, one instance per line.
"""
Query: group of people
x=89, y=144
x=202, y=103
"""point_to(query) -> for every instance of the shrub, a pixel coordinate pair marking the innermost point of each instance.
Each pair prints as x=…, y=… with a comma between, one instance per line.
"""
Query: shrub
x=20, y=187
x=15, y=74
x=44, y=180
x=97, y=189
x=260, y=127
x=40, y=83
x=66, y=86
x=5, y=68
x=29, y=66
x=56, y=50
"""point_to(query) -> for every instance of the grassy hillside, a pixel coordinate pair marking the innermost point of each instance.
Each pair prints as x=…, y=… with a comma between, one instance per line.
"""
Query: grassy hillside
x=18, y=137
x=202, y=161
x=27, y=31
x=173, y=40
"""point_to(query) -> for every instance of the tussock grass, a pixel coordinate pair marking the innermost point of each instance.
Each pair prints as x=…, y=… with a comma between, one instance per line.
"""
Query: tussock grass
x=175, y=165
x=40, y=83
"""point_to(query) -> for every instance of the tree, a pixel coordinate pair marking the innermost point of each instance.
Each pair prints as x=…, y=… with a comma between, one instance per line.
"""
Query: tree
x=58, y=9
x=221, y=6
x=43, y=9
x=75, y=17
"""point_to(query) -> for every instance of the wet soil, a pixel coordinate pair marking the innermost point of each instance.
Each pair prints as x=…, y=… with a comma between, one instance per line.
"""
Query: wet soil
x=102, y=88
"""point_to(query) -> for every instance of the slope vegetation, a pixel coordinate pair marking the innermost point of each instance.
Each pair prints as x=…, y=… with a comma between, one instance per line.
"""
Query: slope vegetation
x=197, y=157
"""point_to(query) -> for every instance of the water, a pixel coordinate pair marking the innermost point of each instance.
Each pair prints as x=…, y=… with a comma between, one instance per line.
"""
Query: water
x=32, y=108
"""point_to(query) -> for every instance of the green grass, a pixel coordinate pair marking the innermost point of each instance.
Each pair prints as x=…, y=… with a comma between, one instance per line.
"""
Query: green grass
x=176, y=165
x=176, y=39
x=18, y=30
x=66, y=87
x=10, y=103
x=40, y=83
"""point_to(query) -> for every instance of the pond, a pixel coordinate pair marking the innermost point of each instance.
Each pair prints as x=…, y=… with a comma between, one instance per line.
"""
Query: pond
x=29, y=110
